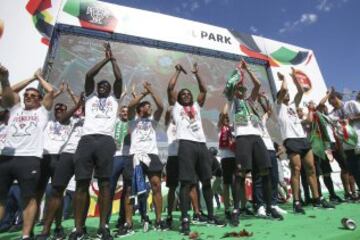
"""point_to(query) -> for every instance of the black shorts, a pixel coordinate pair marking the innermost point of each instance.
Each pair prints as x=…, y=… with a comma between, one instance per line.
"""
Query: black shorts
x=322, y=166
x=94, y=152
x=155, y=167
x=195, y=162
x=228, y=169
x=172, y=172
x=64, y=171
x=341, y=160
x=48, y=164
x=26, y=170
x=299, y=146
x=251, y=153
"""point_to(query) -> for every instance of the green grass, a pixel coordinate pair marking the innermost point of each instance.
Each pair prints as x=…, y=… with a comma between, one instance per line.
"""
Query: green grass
x=316, y=224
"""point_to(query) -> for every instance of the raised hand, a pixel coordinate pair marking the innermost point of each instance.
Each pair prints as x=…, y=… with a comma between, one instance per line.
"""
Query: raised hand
x=180, y=68
x=38, y=73
x=108, y=52
x=195, y=68
x=4, y=73
x=280, y=76
x=147, y=87
x=243, y=64
x=62, y=86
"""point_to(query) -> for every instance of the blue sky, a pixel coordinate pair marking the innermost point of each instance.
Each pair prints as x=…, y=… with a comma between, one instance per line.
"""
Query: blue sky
x=331, y=28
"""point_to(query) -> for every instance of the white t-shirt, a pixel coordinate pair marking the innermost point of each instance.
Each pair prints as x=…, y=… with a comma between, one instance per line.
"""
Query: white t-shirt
x=173, y=145
x=143, y=136
x=289, y=122
x=3, y=133
x=245, y=121
x=188, y=128
x=266, y=136
x=55, y=136
x=101, y=114
x=225, y=152
x=25, y=132
x=122, y=138
x=76, y=129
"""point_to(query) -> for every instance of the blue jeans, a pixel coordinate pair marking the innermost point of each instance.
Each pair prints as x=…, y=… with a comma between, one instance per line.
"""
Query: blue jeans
x=13, y=208
x=258, y=189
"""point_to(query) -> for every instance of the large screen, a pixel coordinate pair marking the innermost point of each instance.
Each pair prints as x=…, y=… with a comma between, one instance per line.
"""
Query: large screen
x=75, y=55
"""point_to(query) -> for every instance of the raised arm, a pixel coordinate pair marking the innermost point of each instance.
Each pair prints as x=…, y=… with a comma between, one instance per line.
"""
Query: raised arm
x=89, y=77
x=157, y=100
x=326, y=97
x=67, y=115
x=60, y=91
x=117, y=73
x=74, y=98
x=168, y=115
x=202, y=95
x=257, y=84
x=48, y=99
x=300, y=90
x=134, y=102
x=172, y=94
x=284, y=88
x=8, y=95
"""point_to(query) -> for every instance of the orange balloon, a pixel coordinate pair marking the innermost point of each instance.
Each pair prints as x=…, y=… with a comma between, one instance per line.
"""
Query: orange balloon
x=1, y=27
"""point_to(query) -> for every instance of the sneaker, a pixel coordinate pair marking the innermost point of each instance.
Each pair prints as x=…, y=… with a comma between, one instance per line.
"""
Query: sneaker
x=161, y=226
x=125, y=230
x=217, y=222
x=336, y=199
x=297, y=208
x=104, y=234
x=322, y=203
x=228, y=215
x=199, y=218
x=234, y=221
x=74, y=235
x=43, y=237
x=59, y=234
x=15, y=228
x=169, y=221
x=246, y=212
x=347, y=197
x=274, y=214
x=146, y=223
x=279, y=209
x=261, y=212
x=26, y=238
x=185, y=226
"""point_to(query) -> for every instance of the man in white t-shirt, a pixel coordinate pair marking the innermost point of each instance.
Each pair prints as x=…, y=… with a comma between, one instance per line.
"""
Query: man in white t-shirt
x=144, y=151
x=348, y=113
x=297, y=145
x=23, y=147
x=96, y=147
x=4, y=118
x=250, y=153
x=194, y=159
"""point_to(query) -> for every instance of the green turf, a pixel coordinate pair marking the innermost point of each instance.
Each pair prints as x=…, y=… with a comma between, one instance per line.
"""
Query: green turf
x=316, y=224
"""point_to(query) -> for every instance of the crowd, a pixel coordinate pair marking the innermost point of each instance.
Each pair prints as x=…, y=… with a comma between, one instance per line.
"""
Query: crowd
x=99, y=138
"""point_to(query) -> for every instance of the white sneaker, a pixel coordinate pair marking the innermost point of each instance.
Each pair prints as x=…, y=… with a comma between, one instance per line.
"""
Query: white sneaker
x=279, y=210
x=261, y=212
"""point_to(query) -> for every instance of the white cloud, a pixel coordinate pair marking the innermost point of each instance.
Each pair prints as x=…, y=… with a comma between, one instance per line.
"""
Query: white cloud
x=305, y=19
x=253, y=29
x=194, y=5
x=324, y=5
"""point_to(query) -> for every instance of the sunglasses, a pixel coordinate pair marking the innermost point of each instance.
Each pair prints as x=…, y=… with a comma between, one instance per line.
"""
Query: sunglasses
x=60, y=108
x=31, y=95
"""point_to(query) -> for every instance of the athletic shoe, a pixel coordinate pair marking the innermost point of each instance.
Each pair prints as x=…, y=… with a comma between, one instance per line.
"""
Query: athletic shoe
x=322, y=203
x=27, y=238
x=261, y=212
x=199, y=218
x=246, y=212
x=59, y=234
x=15, y=228
x=228, y=215
x=274, y=214
x=279, y=209
x=185, y=226
x=104, y=234
x=234, y=221
x=169, y=221
x=297, y=208
x=161, y=226
x=336, y=199
x=42, y=237
x=125, y=230
x=215, y=221
x=74, y=235
x=146, y=223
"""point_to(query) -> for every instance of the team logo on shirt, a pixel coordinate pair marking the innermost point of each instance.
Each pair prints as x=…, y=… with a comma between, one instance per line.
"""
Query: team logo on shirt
x=23, y=125
x=144, y=130
x=58, y=132
x=102, y=108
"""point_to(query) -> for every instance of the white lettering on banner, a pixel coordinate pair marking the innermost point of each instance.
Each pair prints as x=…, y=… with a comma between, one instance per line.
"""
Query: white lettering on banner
x=98, y=14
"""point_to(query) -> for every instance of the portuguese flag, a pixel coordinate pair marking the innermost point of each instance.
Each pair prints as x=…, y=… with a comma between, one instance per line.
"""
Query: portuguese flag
x=92, y=14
